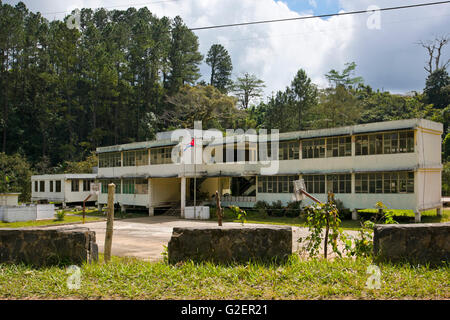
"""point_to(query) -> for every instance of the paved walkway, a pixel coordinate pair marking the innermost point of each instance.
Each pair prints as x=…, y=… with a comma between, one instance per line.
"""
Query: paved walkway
x=146, y=237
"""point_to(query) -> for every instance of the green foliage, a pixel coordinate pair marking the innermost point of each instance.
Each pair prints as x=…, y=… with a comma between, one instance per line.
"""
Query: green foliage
x=248, y=89
x=344, y=78
x=276, y=209
x=85, y=166
x=361, y=245
x=15, y=176
x=293, y=209
x=239, y=213
x=446, y=179
x=221, y=67
x=318, y=217
x=60, y=215
x=437, y=88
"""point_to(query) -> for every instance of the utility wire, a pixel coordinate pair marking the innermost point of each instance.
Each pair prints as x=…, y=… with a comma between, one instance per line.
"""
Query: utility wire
x=319, y=16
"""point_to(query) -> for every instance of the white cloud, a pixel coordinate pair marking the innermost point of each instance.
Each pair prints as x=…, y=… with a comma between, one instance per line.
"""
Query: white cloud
x=387, y=58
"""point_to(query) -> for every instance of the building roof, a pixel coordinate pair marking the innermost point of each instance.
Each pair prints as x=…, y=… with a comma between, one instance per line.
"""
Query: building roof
x=65, y=176
x=294, y=135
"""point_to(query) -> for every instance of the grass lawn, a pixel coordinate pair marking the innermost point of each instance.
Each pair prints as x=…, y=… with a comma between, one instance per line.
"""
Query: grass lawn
x=403, y=216
x=39, y=223
x=126, y=278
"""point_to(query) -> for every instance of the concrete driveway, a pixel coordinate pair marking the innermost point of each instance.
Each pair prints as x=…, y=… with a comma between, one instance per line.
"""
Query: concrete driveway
x=146, y=237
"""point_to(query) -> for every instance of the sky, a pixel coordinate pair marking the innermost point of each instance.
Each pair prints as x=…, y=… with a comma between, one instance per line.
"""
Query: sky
x=383, y=45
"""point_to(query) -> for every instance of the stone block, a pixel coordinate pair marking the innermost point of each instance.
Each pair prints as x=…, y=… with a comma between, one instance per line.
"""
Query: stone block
x=231, y=244
x=44, y=246
x=416, y=243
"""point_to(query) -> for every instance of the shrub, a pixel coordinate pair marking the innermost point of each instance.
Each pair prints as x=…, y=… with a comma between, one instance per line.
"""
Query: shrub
x=344, y=213
x=60, y=214
x=293, y=209
x=276, y=209
x=261, y=207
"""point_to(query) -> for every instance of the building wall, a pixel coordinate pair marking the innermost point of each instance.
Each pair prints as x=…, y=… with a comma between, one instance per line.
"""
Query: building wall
x=425, y=162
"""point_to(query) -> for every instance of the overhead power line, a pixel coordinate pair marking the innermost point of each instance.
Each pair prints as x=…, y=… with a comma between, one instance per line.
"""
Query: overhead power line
x=319, y=16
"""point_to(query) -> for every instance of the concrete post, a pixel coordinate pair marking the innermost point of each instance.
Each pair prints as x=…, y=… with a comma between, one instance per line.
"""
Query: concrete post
x=151, y=208
x=354, y=214
x=417, y=216
x=439, y=211
x=151, y=211
x=183, y=196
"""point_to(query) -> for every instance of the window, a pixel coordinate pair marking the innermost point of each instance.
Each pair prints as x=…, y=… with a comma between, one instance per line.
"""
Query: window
x=128, y=186
x=58, y=185
x=276, y=184
x=339, y=147
x=339, y=183
x=141, y=186
x=161, y=155
x=313, y=148
x=384, y=182
x=386, y=143
x=51, y=186
x=315, y=183
x=41, y=186
x=36, y=186
x=110, y=159
x=288, y=150
x=142, y=158
x=87, y=185
x=129, y=158
x=105, y=185
x=75, y=185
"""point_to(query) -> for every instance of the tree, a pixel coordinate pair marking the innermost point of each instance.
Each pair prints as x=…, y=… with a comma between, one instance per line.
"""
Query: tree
x=437, y=88
x=434, y=50
x=303, y=96
x=183, y=57
x=248, y=88
x=345, y=77
x=204, y=103
x=220, y=62
x=15, y=175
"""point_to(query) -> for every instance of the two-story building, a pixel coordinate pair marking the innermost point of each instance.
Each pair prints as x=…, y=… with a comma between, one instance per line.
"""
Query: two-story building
x=395, y=162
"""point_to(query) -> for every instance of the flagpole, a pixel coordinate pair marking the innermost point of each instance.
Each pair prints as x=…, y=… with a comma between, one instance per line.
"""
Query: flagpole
x=195, y=178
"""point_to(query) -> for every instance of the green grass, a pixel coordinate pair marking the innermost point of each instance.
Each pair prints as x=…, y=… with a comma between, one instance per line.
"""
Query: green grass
x=126, y=278
x=404, y=216
x=39, y=223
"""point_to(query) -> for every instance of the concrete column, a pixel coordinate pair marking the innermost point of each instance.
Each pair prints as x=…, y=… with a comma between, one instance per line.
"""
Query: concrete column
x=354, y=214
x=123, y=208
x=151, y=211
x=417, y=216
x=439, y=211
x=353, y=145
x=183, y=196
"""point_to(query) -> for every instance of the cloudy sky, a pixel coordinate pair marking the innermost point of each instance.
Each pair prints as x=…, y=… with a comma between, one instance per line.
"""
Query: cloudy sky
x=384, y=47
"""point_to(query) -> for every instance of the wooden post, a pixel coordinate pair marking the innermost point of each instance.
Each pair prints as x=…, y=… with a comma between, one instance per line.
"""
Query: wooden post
x=109, y=222
x=219, y=210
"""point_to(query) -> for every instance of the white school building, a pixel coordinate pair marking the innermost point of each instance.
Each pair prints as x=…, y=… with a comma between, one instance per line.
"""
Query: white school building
x=395, y=162
x=62, y=188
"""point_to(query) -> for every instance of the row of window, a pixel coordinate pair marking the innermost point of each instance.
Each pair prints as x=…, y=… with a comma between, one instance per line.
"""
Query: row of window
x=54, y=186
x=384, y=143
x=369, y=144
x=127, y=186
x=276, y=184
x=384, y=182
x=380, y=182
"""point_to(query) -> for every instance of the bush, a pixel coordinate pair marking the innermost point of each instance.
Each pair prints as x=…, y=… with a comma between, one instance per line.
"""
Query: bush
x=276, y=209
x=344, y=213
x=261, y=207
x=60, y=214
x=293, y=209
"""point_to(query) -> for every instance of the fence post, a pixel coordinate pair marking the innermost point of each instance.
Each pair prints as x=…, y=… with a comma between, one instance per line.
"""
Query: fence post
x=109, y=222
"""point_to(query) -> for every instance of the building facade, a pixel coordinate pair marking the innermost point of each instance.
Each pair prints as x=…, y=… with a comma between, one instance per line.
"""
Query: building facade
x=395, y=162
x=62, y=188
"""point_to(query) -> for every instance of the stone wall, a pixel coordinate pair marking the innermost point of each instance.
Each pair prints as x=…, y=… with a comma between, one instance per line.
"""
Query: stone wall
x=231, y=244
x=42, y=246
x=416, y=243
x=27, y=212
